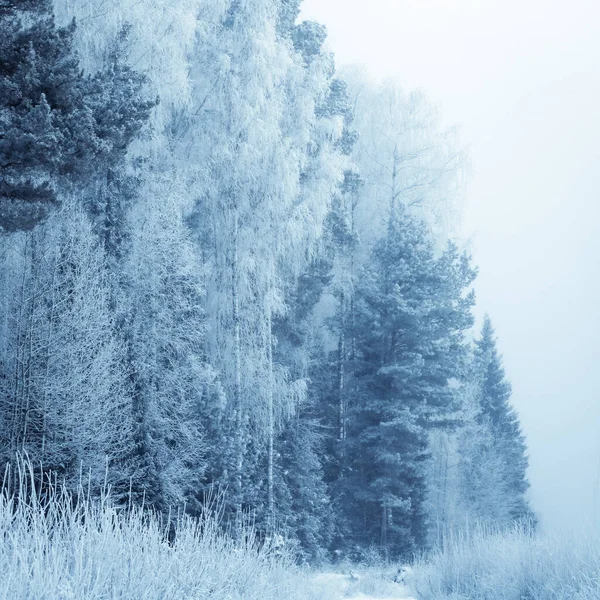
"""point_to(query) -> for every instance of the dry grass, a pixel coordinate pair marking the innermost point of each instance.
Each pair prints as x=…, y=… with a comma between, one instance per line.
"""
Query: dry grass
x=514, y=565
x=80, y=549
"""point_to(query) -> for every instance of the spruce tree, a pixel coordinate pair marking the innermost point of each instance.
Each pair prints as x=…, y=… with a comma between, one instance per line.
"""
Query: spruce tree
x=498, y=415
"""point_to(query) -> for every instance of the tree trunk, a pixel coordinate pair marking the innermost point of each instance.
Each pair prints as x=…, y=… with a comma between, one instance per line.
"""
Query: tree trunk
x=237, y=390
x=384, y=527
x=341, y=372
x=271, y=425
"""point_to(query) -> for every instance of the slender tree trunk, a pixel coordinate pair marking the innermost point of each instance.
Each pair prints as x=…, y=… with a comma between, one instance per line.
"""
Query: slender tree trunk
x=47, y=360
x=20, y=340
x=354, y=202
x=271, y=425
x=237, y=390
x=29, y=364
x=384, y=526
x=341, y=371
x=14, y=429
x=394, y=193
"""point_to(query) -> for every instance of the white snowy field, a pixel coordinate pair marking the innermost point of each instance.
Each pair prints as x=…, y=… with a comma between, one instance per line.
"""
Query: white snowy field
x=361, y=584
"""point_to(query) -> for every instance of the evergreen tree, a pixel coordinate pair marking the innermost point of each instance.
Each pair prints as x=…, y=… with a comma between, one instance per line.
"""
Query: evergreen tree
x=118, y=100
x=40, y=90
x=303, y=508
x=412, y=312
x=498, y=416
x=57, y=126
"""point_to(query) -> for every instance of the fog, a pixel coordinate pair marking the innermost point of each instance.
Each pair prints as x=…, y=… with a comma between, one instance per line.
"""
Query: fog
x=522, y=81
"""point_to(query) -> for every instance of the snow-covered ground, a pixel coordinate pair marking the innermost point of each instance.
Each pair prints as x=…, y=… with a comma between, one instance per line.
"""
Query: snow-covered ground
x=361, y=585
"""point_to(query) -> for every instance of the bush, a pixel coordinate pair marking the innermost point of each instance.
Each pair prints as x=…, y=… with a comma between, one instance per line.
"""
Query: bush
x=513, y=565
x=66, y=546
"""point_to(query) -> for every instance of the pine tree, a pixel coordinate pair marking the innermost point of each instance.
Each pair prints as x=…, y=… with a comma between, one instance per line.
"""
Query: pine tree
x=118, y=100
x=497, y=415
x=58, y=126
x=303, y=507
x=412, y=312
x=40, y=87
x=303, y=504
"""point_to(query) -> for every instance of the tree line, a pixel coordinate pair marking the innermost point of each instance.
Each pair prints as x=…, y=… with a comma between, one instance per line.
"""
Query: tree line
x=226, y=265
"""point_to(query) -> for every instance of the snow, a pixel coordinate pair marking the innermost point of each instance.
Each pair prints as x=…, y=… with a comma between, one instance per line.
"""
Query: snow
x=363, y=597
x=348, y=585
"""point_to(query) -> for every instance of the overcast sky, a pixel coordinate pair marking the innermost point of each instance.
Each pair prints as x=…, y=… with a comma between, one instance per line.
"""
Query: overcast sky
x=522, y=80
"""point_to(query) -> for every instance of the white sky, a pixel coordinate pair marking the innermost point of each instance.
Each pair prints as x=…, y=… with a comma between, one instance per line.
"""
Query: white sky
x=522, y=80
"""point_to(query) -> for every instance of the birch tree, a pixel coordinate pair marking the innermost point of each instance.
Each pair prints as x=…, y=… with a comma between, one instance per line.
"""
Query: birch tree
x=403, y=153
x=251, y=136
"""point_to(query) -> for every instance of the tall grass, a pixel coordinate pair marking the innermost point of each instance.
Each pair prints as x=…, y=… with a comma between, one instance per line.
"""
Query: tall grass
x=513, y=565
x=66, y=547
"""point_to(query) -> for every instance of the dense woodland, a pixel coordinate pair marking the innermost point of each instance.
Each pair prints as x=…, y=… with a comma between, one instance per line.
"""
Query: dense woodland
x=228, y=269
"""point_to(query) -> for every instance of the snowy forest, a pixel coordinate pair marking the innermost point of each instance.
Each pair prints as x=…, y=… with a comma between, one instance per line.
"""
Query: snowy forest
x=230, y=270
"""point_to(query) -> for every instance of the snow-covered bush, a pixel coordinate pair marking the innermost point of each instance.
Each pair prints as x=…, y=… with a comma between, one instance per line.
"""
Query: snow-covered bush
x=65, y=547
x=513, y=565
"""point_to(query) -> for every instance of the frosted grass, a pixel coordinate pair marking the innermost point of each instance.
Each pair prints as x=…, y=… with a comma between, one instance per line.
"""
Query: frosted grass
x=74, y=547
x=513, y=565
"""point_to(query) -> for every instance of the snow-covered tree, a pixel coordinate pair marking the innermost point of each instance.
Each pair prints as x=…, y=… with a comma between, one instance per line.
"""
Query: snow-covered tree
x=411, y=315
x=403, y=152
x=165, y=334
x=494, y=448
x=478, y=474
x=264, y=167
x=58, y=126
x=64, y=389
